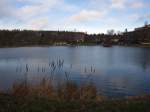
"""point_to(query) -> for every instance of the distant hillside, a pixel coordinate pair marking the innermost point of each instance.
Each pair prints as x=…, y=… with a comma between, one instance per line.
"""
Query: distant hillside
x=8, y=38
x=21, y=38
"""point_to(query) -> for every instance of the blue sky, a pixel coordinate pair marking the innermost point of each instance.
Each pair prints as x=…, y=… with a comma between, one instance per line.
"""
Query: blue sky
x=91, y=16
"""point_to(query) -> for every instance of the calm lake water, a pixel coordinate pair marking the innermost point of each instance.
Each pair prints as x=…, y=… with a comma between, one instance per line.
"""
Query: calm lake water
x=116, y=71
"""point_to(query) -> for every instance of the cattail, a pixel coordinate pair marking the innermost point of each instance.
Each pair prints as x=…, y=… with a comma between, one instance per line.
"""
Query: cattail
x=94, y=71
x=85, y=70
x=27, y=69
x=91, y=69
x=38, y=69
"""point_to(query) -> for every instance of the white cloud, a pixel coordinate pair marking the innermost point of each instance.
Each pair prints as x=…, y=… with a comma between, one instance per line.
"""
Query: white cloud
x=125, y=4
x=5, y=9
x=144, y=17
x=87, y=15
x=137, y=4
x=28, y=9
x=139, y=17
x=30, y=15
x=34, y=8
x=96, y=16
x=37, y=23
x=118, y=4
x=134, y=17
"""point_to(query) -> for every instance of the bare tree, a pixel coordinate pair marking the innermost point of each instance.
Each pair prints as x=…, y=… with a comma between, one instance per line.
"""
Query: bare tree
x=110, y=32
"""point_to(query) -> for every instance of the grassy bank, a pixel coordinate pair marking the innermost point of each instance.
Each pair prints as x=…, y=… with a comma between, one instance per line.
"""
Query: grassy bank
x=10, y=103
x=66, y=97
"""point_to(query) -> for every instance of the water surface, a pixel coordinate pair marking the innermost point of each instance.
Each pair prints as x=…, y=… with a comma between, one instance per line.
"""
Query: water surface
x=116, y=71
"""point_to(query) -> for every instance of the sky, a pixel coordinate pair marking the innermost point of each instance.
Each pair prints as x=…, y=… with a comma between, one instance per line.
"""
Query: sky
x=91, y=16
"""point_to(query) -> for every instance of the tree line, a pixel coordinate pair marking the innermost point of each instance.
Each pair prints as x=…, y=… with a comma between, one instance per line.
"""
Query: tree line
x=29, y=37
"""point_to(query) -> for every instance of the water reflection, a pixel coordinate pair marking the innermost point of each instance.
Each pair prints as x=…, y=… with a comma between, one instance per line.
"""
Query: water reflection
x=117, y=71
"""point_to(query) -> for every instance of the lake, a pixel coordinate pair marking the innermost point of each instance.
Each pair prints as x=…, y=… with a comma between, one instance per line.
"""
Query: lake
x=116, y=71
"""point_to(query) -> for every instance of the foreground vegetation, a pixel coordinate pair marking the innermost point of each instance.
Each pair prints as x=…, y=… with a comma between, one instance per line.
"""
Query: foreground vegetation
x=67, y=97
x=10, y=103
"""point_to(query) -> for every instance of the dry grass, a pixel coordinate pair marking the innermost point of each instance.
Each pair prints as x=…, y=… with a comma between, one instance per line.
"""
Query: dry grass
x=69, y=91
x=66, y=97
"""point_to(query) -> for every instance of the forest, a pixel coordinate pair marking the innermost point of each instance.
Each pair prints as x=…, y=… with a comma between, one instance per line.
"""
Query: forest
x=10, y=38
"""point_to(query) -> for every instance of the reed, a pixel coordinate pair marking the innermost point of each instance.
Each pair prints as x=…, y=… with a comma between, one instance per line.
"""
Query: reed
x=66, y=91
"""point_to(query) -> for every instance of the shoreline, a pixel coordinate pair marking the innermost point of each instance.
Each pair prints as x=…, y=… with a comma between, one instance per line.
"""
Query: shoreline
x=72, y=45
x=67, y=97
